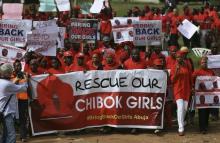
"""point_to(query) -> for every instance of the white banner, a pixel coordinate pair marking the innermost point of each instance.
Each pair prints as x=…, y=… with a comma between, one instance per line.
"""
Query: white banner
x=63, y=5
x=141, y=81
x=44, y=24
x=207, y=92
x=44, y=43
x=47, y=6
x=12, y=11
x=10, y=53
x=97, y=6
x=213, y=61
x=79, y=100
x=123, y=28
x=14, y=31
x=148, y=32
x=123, y=34
x=187, y=29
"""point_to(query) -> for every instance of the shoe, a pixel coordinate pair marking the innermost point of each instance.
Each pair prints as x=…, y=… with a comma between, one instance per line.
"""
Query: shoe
x=214, y=118
x=157, y=132
x=105, y=130
x=133, y=131
x=181, y=133
x=23, y=140
x=204, y=131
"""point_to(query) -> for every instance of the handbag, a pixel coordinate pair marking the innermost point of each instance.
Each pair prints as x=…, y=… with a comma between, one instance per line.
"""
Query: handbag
x=2, y=112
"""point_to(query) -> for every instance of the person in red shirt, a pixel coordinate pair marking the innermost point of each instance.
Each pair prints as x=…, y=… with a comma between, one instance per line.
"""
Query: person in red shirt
x=186, y=15
x=34, y=68
x=80, y=63
x=180, y=74
x=22, y=101
x=149, y=15
x=110, y=62
x=27, y=58
x=156, y=14
x=68, y=60
x=204, y=112
x=44, y=64
x=86, y=51
x=171, y=59
x=195, y=40
x=187, y=60
x=175, y=20
x=56, y=67
x=105, y=23
x=123, y=53
x=204, y=22
x=159, y=65
x=156, y=54
x=212, y=12
x=95, y=63
x=189, y=63
x=135, y=62
x=215, y=111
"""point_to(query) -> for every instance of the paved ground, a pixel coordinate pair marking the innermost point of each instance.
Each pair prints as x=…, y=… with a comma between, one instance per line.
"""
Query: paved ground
x=123, y=136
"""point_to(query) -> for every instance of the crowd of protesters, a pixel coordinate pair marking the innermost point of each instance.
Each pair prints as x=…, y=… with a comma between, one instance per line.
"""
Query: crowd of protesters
x=104, y=54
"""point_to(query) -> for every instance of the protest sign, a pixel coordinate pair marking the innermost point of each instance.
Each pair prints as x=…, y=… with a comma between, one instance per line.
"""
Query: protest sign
x=97, y=6
x=44, y=43
x=123, y=34
x=187, y=29
x=83, y=29
x=63, y=5
x=11, y=53
x=123, y=28
x=117, y=98
x=147, y=32
x=207, y=92
x=213, y=61
x=47, y=6
x=44, y=24
x=14, y=31
x=12, y=11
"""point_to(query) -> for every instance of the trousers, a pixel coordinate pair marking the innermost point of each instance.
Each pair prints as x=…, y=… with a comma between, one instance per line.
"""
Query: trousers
x=182, y=106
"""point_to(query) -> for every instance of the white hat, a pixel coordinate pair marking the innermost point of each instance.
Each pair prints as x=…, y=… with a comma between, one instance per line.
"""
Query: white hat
x=6, y=69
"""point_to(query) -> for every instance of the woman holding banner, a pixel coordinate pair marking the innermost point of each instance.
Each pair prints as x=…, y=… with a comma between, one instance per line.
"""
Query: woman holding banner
x=204, y=112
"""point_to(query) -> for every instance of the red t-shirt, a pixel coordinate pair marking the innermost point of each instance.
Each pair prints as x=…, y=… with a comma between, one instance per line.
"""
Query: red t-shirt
x=55, y=71
x=175, y=20
x=181, y=86
x=130, y=64
x=170, y=62
x=105, y=27
x=80, y=68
